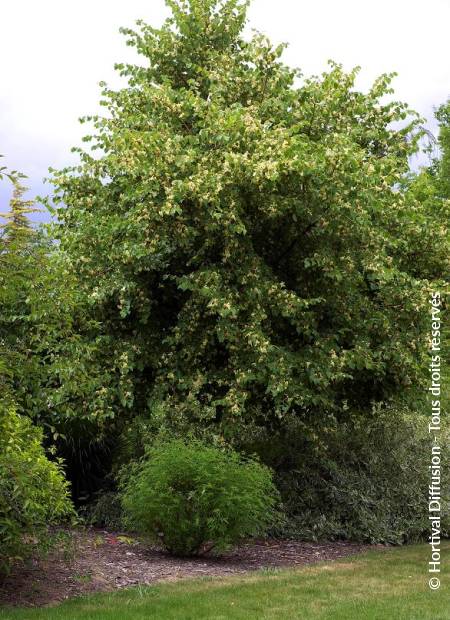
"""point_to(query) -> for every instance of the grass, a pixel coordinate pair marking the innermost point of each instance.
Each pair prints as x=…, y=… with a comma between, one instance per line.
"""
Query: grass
x=380, y=585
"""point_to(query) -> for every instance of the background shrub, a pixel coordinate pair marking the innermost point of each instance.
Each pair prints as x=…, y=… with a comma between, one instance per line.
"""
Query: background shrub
x=33, y=491
x=104, y=511
x=195, y=498
x=363, y=478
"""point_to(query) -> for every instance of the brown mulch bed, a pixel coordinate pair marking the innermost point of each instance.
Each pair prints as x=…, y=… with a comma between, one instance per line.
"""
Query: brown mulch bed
x=104, y=561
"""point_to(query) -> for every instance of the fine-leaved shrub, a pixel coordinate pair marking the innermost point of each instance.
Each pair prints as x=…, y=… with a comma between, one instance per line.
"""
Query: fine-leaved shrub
x=195, y=498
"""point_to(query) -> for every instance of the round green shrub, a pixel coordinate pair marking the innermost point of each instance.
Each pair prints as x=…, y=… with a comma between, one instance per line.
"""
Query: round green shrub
x=195, y=498
x=33, y=491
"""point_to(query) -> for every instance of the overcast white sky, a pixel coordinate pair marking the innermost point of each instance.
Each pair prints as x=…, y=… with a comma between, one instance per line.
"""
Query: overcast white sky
x=54, y=53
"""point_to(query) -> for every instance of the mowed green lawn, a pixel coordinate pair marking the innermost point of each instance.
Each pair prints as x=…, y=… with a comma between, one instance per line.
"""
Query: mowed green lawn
x=380, y=585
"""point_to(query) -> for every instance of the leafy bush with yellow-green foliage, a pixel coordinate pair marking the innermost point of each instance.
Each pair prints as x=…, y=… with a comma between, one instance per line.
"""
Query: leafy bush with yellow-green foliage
x=33, y=491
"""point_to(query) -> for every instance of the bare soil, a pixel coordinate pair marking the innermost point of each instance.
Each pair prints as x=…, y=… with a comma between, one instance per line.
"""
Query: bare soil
x=103, y=561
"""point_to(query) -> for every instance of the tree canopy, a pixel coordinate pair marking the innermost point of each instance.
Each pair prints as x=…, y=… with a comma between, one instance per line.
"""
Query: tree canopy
x=243, y=235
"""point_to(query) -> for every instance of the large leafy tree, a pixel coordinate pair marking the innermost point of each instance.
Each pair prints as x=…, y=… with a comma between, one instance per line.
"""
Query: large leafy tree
x=422, y=233
x=19, y=259
x=443, y=117
x=240, y=236
x=46, y=340
x=33, y=491
x=424, y=240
